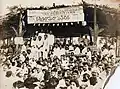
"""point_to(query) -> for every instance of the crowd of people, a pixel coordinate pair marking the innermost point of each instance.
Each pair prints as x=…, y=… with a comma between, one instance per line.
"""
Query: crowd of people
x=46, y=62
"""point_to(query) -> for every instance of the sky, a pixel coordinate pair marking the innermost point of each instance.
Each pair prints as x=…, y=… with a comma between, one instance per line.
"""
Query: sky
x=28, y=3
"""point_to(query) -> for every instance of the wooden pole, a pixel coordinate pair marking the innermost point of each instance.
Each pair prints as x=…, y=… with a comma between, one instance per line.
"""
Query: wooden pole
x=95, y=29
x=20, y=25
x=20, y=31
x=116, y=44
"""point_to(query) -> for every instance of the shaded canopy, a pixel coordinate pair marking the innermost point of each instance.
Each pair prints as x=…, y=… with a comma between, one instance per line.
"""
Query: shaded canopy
x=109, y=21
x=70, y=30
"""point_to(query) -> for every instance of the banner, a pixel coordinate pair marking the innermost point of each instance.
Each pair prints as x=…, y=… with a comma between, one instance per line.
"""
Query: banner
x=59, y=15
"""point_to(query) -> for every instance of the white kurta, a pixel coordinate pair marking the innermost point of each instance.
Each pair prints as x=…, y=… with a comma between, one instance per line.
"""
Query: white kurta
x=51, y=39
x=77, y=51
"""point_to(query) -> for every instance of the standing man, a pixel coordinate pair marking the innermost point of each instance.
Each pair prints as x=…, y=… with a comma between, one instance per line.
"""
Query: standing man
x=45, y=46
x=51, y=39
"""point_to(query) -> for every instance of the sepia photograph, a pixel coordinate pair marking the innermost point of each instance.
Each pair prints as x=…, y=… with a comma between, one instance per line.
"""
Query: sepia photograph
x=60, y=44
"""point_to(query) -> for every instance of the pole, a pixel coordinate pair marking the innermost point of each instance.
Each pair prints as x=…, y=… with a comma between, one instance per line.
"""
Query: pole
x=95, y=30
x=20, y=24
x=116, y=44
x=20, y=31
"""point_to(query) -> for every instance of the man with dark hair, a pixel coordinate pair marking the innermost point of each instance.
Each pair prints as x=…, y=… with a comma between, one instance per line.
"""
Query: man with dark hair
x=93, y=79
x=74, y=84
x=53, y=81
x=76, y=76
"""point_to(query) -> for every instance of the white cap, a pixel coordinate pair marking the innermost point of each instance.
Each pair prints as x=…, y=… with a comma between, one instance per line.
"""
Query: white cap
x=112, y=46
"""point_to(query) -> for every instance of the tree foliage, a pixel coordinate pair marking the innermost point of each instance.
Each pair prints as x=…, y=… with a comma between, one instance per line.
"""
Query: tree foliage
x=11, y=21
x=107, y=18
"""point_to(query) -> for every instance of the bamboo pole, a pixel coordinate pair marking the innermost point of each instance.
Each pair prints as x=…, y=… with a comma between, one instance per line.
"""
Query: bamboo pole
x=95, y=29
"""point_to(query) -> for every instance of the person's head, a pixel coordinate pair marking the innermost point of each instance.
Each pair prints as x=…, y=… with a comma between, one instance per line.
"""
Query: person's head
x=25, y=76
x=75, y=74
x=53, y=72
x=18, y=85
x=8, y=73
x=75, y=46
x=34, y=38
x=80, y=68
x=62, y=57
x=88, y=49
x=5, y=67
x=24, y=53
x=42, y=84
x=66, y=47
x=34, y=70
x=39, y=38
x=86, y=77
x=67, y=81
x=20, y=74
x=100, y=66
x=59, y=74
x=103, y=48
x=83, y=86
x=71, y=66
x=36, y=32
x=68, y=72
x=28, y=51
x=94, y=74
x=56, y=45
x=85, y=66
x=74, y=84
x=94, y=64
x=108, y=68
x=45, y=36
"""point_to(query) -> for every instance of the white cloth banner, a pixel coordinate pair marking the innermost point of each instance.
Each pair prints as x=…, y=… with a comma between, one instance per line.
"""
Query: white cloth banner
x=66, y=14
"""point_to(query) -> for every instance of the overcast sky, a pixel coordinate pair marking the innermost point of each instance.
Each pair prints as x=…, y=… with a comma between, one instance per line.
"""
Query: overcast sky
x=28, y=3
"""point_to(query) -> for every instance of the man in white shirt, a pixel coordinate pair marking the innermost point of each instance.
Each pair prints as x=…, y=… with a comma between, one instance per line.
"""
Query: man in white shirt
x=45, y=46
x=22, y=57
x=84, y=51
x=104, y=52
x=42, y=35
x=33, y=41
x=23, y=48
x=56, y=51
x=34, y=52
x=75, y=41
x=112, y=53
x=51, y=39
x=29, y=54
x=89, y=54
x=62, y=51
x=76, y=50
x=40, y=44
x=86, y=40
x=65, y=63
